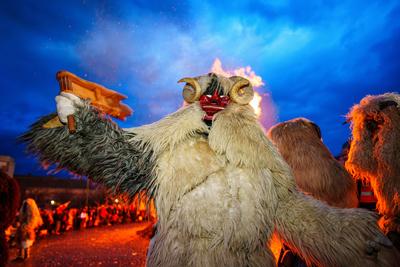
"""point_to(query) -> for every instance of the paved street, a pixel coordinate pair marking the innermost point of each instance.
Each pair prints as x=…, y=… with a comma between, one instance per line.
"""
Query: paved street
x=103, y=246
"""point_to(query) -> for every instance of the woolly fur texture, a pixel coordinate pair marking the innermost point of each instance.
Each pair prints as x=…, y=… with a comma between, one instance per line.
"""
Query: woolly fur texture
x=99, y=149
x=316, y=171
x=29, y=219
x=375, y=152
x=220, y=192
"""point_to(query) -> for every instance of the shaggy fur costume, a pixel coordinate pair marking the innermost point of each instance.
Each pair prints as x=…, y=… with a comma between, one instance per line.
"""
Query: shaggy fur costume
x=316, y=171
x=375, y=152
x=219, y=191
x=9, y=203
x=30, y=220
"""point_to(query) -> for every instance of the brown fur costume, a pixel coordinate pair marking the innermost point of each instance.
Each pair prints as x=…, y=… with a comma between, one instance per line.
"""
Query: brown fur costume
x=9, y=203
x=375, y=152
x=220, y=190
x=316, y=171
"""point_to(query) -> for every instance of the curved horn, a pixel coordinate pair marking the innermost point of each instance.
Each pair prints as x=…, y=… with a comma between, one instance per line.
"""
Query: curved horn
x=192, y=92
x=242, y=92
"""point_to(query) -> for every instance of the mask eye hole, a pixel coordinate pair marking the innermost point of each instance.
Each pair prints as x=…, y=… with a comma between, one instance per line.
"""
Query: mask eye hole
x=371, y=125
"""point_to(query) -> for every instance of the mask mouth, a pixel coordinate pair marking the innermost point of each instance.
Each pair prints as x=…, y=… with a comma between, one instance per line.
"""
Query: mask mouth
x=211, y=111
x=212, y=105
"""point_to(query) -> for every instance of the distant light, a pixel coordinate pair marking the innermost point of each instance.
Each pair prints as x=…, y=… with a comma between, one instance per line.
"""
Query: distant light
x=52, y=202
x=116, y=200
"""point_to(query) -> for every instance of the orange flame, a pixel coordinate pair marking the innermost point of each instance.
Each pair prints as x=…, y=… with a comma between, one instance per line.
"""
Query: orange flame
x=247, y=73
x=275, y=244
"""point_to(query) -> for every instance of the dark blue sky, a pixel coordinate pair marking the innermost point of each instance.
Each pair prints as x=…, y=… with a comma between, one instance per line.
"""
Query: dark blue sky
x=315, y=59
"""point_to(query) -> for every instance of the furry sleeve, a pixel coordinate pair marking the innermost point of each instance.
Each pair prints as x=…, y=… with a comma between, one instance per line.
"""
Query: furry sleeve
x=99, y=149
x=327, y=236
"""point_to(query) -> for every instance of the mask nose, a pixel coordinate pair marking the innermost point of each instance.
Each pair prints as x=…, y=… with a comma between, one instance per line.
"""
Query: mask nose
x=215, y=97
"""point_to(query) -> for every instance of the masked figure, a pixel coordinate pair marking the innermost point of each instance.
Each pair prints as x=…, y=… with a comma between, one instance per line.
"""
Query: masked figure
x=30, y=220
x=315, y=170
x=9, y=203
x=220, y=187
x=375, y=155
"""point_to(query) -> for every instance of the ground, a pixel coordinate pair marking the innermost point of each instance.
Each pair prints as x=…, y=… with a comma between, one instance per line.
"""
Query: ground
x=103, y=246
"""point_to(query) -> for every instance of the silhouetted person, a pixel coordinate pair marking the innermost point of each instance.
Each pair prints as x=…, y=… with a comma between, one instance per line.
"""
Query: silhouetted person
x=9, y=203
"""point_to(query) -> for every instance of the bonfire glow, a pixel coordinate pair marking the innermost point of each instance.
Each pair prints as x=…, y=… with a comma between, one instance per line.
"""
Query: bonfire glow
x=247, y=73
x=275, y=244
x=256, y=104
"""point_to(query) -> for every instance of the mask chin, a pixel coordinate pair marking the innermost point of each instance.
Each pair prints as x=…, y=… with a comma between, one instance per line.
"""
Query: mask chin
x=208, y=122
x=211, y=105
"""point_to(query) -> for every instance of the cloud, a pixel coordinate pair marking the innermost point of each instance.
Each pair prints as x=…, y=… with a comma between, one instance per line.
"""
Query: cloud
x=316, y=58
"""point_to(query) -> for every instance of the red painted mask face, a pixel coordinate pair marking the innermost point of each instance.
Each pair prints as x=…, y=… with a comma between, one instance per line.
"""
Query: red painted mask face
x=213, y=104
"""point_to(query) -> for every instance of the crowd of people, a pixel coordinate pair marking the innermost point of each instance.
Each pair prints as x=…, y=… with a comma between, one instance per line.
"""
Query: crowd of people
x=65, y=219
x=32, y=222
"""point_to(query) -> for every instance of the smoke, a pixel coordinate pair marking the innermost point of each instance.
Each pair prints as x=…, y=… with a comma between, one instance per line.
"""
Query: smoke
x=245, y=72
x=262, y=102
x=145, y=66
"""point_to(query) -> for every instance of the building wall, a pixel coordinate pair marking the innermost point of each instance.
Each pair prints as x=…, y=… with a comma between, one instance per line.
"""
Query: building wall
x=47, y=189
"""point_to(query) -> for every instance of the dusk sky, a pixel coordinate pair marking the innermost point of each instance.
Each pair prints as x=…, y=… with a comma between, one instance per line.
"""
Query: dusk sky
x=316, y=60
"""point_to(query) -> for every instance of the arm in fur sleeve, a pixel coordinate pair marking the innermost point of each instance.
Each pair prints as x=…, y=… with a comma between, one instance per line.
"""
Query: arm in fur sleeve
x=99, y=149
x=327, y=236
